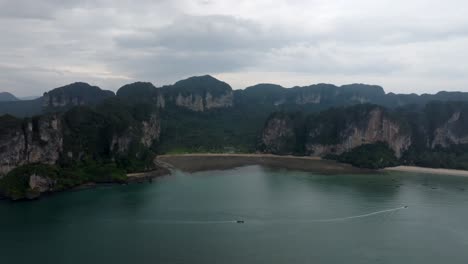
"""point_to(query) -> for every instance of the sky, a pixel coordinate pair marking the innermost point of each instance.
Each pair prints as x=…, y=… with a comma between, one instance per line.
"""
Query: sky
x=417, y=46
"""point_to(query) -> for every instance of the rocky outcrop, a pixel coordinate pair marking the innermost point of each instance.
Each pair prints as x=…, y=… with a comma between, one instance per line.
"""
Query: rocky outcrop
x=193, y=102
x=120, y=144
x=44, y=140
x=146, y=133
x=40, y=140
x=372, y=127
x=160, y=101
x=221, y=101
x=279, y=136
x=74, y=94
x=200, y=93
x=40, y=184
x=308, y=99
x=151, y=130
x=37, y=140
x=451, y=132
x=200, y=103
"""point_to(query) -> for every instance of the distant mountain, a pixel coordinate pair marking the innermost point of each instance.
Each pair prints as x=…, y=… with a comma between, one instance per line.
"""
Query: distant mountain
x=7, y=97
x=56, y=100
x=204, y=93
x=74, y=94
x=198, y=94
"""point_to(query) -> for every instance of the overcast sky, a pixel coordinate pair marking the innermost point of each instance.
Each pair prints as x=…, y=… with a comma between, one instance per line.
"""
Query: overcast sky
x=405, y=46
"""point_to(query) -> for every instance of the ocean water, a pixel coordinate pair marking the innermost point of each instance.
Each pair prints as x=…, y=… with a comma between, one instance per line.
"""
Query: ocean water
x=289, y=217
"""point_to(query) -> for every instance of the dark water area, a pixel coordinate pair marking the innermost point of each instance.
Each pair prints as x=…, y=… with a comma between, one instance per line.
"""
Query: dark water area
x=289, y=217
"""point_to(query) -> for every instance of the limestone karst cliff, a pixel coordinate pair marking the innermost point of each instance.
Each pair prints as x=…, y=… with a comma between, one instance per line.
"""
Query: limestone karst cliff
x=77, y=134
x=74, y=94
x=341, y=132
x=36, y=140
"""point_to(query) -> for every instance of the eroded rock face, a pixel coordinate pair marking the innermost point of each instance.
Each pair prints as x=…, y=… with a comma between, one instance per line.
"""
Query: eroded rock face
x=450, y=133
x=200, y=103
x=45, y=140
x=147, y=132
x=39, y=140
x=312, y=98
x=121, y=143
x=61, y=101
x=376, y=127
x=279, y=135
x=74, y=94
x=160, y=101
x=40, y=184
x=192, y=102
x=12, y=149
x=222, y=101
x=150, y=131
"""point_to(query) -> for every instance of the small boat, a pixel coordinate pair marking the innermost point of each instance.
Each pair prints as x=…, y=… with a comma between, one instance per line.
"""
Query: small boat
x=406, y=206
x=240, y=221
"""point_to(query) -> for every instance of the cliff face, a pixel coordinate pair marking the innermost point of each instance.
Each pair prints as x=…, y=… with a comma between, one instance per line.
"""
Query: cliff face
x=145, y=132
x=279, y=135
x=46, y=140
x=373, y=126
x=74, y=95
x=203, y=102
x=38, y=140
x=193, y=102
x=334, y=131
x=199, y=94
x=449, y=126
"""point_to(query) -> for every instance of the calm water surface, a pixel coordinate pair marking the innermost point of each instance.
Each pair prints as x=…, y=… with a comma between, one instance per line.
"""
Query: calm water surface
x=290, y=217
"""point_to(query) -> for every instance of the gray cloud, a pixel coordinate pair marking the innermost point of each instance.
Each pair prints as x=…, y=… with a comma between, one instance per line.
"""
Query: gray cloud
x=208, y=33
x=416, y=46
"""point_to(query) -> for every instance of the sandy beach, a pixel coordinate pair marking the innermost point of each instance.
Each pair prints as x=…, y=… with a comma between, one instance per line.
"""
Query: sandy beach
x=147, y=176
x=202, y=162
x=212, y=161
x=415, y=169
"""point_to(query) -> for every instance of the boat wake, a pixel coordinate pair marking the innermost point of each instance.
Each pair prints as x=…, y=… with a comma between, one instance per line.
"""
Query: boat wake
x=359, y=216
x=338, y=219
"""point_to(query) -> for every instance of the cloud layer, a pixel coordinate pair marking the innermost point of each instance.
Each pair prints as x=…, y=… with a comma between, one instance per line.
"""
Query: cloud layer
x=405, y=47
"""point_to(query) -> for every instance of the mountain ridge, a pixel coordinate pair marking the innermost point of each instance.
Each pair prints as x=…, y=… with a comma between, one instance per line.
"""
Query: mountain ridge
x=7, y=97
x=80, y=133
x=201, y=93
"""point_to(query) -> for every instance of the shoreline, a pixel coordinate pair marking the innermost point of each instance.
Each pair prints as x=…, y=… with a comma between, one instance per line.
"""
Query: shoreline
x=209, y=161
x=220, y=161
x=415, y=169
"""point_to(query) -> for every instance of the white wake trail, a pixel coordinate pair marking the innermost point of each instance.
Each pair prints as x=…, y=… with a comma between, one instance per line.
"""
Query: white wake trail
x=188, y=222
x=208, y=222
x=359, y=216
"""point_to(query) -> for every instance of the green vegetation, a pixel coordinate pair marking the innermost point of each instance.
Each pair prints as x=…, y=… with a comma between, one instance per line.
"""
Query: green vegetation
x=197, y=85
x=15, y=184
x=108, y=136
x=291, y=140
x=370, y=156
x=77, y=93
x=9, y=123
x=219, y=130
x=453, y=157
x=89, y=133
